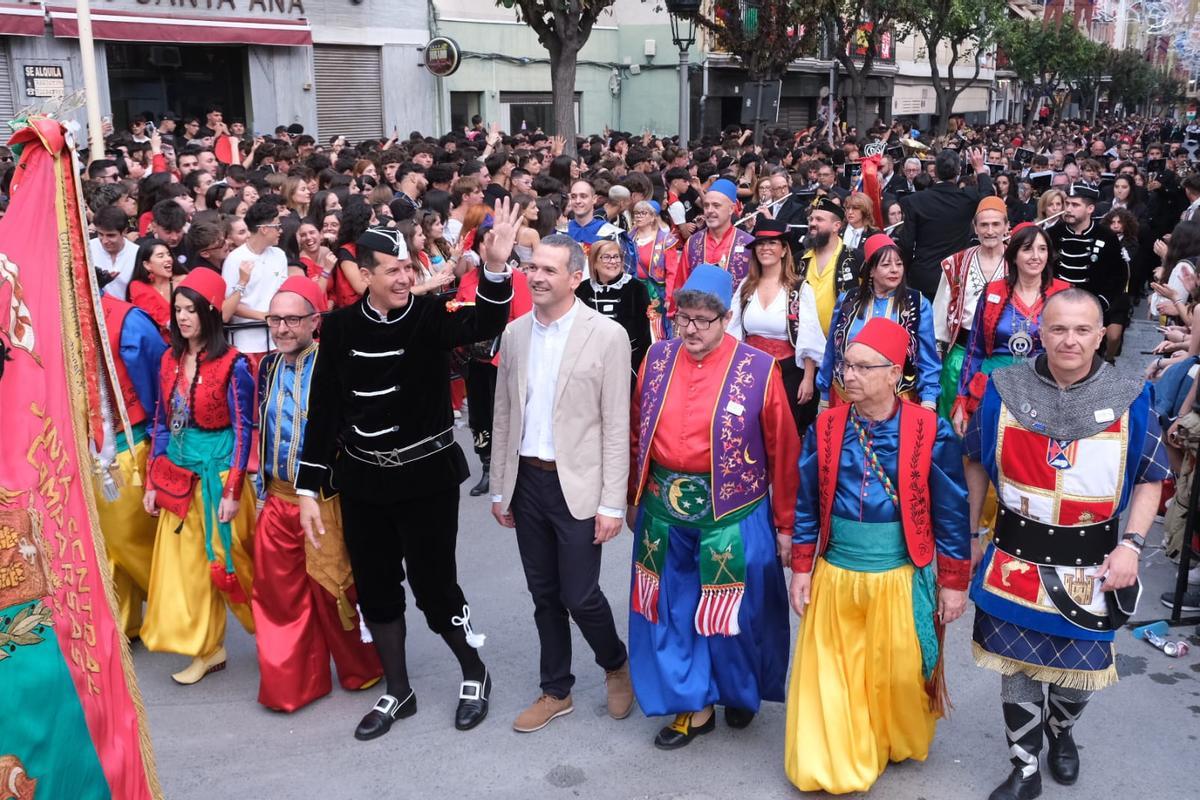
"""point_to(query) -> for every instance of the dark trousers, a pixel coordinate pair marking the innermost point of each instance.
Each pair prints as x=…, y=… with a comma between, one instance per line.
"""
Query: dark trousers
x=481, y=396
x=384, y=539
x=793, y=376
x=562, y=570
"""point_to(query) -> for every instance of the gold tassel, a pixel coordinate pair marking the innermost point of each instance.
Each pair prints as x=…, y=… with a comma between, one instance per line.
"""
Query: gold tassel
x=136, y=480
x=345, y=610
x=935, y=687
x=1087, y=680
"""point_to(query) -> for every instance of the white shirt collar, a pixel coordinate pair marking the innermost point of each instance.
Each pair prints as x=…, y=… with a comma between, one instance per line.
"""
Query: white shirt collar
x=561, y=323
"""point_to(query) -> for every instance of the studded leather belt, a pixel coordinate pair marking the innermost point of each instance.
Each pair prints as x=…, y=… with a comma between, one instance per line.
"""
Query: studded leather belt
x=403, y=455
x=1053, y=545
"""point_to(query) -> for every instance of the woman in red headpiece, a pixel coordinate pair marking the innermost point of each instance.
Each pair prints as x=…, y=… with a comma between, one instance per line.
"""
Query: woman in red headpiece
x=196, y=480
x=1008, y=317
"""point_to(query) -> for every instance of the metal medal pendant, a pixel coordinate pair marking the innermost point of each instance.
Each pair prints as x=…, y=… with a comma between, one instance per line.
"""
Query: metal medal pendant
x=179, y=415
x=1020, y=344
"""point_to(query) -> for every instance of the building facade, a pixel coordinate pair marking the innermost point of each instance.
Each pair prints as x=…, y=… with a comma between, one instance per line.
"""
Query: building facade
x=351, y=67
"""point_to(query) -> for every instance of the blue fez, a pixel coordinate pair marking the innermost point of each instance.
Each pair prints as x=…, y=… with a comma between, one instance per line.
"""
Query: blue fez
x=725, y=186
x=711, y=279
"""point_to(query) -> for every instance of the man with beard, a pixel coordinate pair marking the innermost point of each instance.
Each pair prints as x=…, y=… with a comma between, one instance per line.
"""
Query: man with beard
x=964, y=277
x=720, y=243
x=827, y=265
x=303, y=600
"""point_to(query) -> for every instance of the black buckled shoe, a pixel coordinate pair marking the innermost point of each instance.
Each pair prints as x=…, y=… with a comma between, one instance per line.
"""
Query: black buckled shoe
x=1018, y=787
x=681, y=732
x=1063, y=758
x=473, y=699
x=738, y=718
x=387, y=710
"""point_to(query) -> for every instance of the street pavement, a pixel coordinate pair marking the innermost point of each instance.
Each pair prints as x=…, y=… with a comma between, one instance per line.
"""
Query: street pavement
x=1137, y=739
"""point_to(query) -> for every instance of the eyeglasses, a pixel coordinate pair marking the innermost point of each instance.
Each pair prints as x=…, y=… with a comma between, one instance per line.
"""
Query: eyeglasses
x=290, y=321
x=683, y=321
x=271, y=225
x=610, y=257
x=849, y=368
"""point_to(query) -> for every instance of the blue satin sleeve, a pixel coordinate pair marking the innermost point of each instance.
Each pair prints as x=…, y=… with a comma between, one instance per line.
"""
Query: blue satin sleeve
x=159, y=433
x=808, y=519
x=241, y=413
x=142, y=348
x=973, y=360
x=929, y=364
x=948, y=495
x=825, y=374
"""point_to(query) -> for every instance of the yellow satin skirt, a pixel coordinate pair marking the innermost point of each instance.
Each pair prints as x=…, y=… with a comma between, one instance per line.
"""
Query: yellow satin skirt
x=185, y=612
x=856, y=699
x=129, y=538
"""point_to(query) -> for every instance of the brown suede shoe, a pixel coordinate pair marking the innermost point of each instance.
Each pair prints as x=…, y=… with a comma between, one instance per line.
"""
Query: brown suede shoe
x=620, y=692
x=544, y=709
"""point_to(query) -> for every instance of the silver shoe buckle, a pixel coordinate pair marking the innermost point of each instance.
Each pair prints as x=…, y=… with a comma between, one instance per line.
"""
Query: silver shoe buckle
x=470, y=690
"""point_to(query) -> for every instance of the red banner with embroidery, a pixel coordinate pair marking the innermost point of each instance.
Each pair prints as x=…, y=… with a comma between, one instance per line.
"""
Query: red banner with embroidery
x=80, y=730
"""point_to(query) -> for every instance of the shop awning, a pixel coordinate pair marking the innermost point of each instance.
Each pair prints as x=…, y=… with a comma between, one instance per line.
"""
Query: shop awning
x=22, y=20
x=131, y=26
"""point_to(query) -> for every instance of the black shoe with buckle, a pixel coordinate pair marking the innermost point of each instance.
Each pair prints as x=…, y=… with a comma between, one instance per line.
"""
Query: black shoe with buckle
x=681, y=732
x=387, y=710
x=738, y=718
x=473, y=699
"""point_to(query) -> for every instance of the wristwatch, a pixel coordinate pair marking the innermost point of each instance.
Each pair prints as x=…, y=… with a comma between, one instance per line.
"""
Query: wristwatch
x=1135, y=539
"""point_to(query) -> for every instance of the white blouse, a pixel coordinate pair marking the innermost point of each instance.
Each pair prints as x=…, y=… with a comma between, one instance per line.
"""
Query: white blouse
x=771, y=322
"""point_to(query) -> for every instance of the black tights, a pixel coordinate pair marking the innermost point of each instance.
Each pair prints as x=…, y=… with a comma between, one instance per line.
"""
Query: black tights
x=389, y=643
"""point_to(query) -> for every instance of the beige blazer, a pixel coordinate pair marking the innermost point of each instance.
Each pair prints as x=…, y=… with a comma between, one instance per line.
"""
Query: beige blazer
x=591, y=412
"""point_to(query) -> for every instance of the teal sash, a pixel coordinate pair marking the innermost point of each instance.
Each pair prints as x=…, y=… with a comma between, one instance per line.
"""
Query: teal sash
x=207, y=454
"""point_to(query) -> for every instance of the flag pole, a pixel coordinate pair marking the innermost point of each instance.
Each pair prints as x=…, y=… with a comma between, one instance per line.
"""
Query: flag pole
x=91, y=83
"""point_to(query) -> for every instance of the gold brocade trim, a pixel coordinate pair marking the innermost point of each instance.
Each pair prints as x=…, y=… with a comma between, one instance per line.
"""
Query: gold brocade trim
x=1087, y=680
x=78, y=403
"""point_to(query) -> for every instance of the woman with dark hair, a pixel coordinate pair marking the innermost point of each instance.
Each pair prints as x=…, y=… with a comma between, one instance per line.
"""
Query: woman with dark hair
x=1124, y=224
x=883, y=292
x=150, y=190
x=1008, y=317
x=437, y=249
x=198, y=182
x=151, y=282
x=563, y=170
x=1181, y=257
x=347, y=285
x=308, y=252
x=325, y=202
x=216, y=194
x=549, y=213
x=775, y=310
x=195, y=484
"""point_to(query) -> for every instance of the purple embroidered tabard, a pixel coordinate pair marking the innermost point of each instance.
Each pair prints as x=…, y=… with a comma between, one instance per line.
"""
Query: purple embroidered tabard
x=738, y=262
x=738, y=452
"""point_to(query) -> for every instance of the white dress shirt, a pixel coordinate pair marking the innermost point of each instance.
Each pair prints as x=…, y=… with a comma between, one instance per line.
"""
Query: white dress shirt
x=546, y=346
x=771, y=322
x=122, y=265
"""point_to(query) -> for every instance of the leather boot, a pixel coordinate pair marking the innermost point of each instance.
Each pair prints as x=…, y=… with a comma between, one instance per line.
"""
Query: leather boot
x=1023, y=730
x=484, y=485
x=1062, y=756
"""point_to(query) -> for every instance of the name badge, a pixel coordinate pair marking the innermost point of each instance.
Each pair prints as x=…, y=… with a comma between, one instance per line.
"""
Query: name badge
x=735, y=408
x=741, y=248
x=1104, y=415
x=993, y=298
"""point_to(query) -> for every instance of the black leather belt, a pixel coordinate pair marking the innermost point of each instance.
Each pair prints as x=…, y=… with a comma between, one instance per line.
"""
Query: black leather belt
x=1119, y=603
x=1054, y=545
x=538, y=463
x=403, y=455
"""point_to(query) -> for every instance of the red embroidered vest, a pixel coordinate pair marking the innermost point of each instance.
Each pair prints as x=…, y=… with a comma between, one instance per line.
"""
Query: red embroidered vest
x=115, y=312
x=918, y=433
x=210, y=402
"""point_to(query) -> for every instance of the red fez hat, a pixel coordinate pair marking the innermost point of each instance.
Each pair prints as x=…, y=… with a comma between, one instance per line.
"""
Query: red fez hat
x=206, y=283
x=1020, y=226
x=874, y=243
x=885, y=337
x=306, y=288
